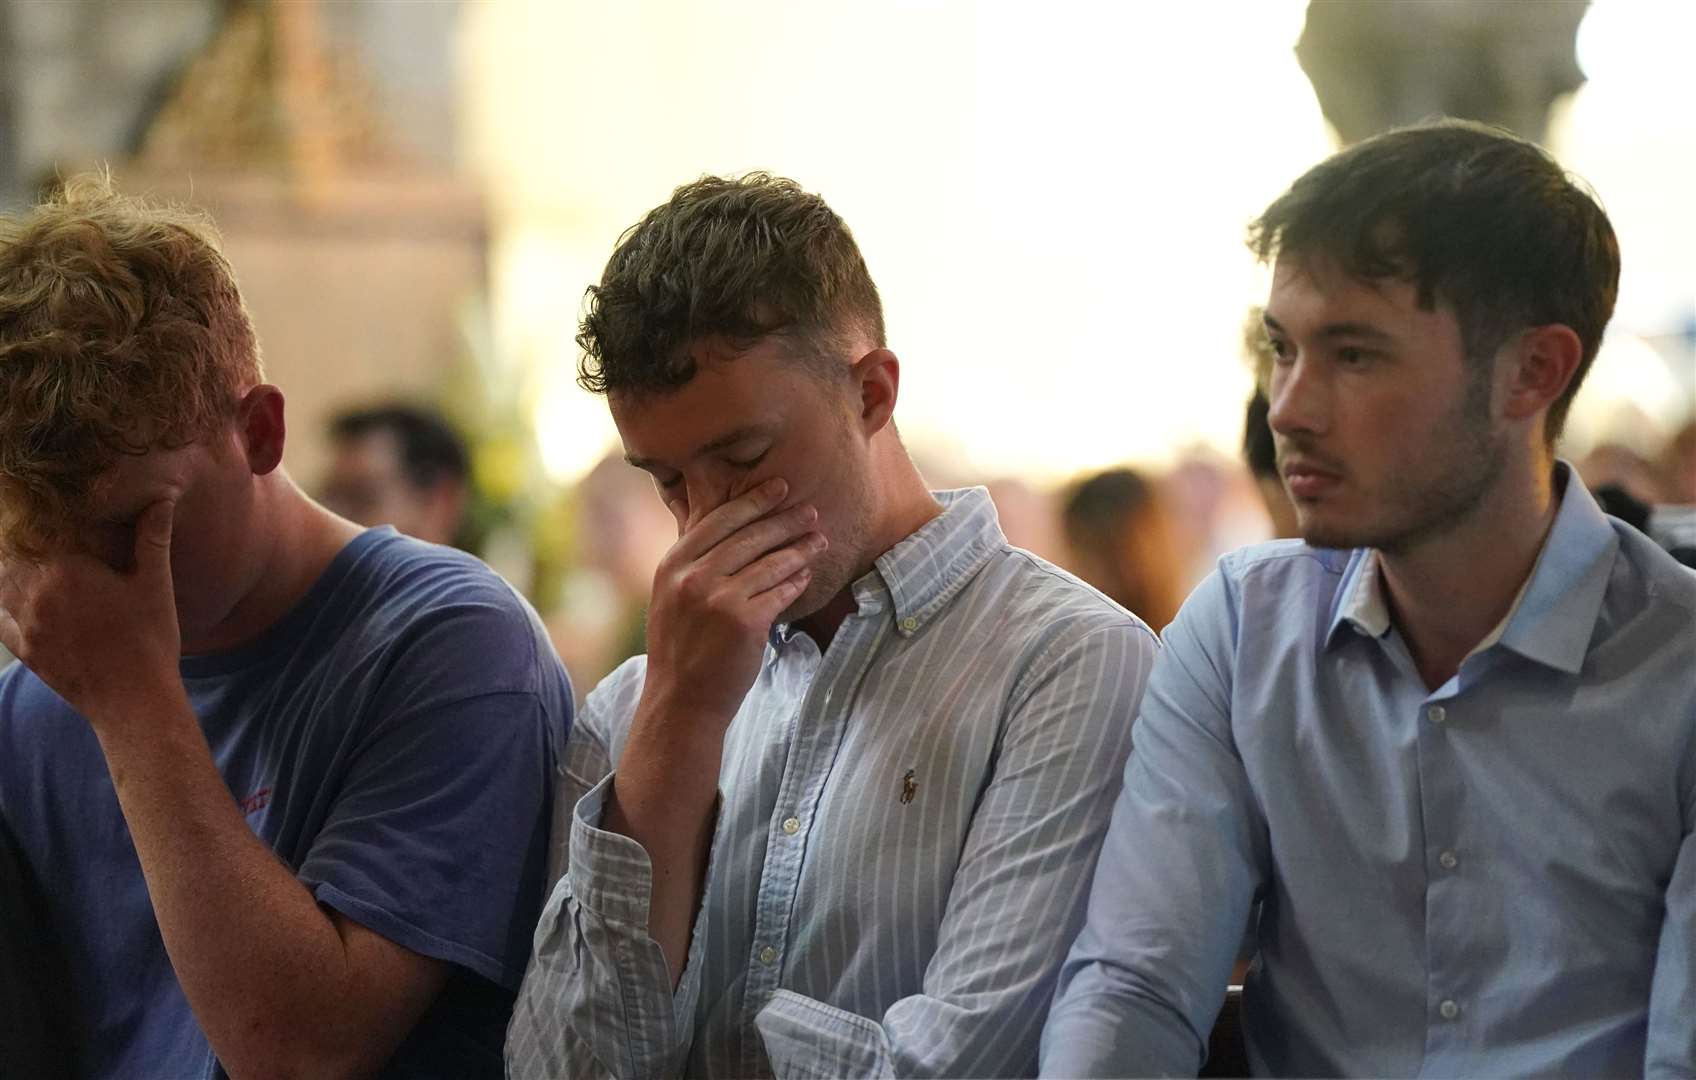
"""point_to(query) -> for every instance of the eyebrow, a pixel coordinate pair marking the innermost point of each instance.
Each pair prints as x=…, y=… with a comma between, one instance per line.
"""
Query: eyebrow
x=1338, y=330
x=729, y=438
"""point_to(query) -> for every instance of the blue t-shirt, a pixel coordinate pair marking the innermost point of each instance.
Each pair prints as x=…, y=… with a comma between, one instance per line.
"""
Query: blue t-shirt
x=393, y=739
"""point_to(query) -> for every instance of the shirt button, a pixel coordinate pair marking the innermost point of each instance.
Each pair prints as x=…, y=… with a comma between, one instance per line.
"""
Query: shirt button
x=1437, y=714
x=1447, y=860
x=768, y=956
x=909, y=624
x=1449, y=1010
x=791, y=825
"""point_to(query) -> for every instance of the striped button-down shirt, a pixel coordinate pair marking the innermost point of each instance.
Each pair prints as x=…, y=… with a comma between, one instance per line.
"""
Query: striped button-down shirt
x=906, y=832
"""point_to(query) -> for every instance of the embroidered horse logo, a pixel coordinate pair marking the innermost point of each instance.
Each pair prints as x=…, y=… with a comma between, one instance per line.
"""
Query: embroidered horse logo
x=909, y=788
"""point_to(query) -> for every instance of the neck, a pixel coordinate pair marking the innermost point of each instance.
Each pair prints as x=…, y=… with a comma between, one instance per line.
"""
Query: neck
x=902, y=505
x=1447, y=592
x=298, y=539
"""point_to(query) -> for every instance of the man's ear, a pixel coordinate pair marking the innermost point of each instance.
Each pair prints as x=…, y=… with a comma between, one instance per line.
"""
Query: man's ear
x=877, y=378
x=259, y=418
x=1538, y=369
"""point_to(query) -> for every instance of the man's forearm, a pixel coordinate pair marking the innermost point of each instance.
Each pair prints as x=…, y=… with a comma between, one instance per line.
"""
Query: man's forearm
x=664, y=795
x=263, y=967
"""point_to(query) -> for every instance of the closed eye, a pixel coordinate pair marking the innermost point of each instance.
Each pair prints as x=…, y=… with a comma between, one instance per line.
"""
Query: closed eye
x=749, y=463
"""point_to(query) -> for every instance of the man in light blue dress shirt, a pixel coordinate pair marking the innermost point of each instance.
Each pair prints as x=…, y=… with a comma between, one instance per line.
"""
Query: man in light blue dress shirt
x=1448, y=744
x=841, y=819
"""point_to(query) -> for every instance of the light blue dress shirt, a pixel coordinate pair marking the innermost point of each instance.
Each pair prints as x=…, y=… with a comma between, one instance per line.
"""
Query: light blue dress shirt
x=1498, y=877
x=906, y=831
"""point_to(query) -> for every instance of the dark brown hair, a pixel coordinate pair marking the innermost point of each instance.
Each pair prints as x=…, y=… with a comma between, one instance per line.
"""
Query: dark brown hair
x=1121, y=522
x=1474, y=217
x=431, y=451
x=734, y=258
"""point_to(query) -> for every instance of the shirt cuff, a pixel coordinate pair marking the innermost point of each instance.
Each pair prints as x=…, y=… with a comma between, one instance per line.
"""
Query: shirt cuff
x=610, y=873
x=807, y=1039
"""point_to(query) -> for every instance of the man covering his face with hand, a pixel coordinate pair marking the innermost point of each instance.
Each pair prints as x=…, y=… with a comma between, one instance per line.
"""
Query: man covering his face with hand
x=285, y=783
x=839, y=821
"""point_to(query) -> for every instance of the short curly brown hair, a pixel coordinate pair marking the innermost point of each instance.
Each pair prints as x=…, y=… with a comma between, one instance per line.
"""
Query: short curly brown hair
x=121, y=331
x=739, y=258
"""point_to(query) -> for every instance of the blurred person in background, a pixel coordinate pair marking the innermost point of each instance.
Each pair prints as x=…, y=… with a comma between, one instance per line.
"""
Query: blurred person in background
x=1673, y=523
x=1643, y=493
x=1261, y=457
x=1678, y=466
x=401, y=465
x=620, y=534
x=284, y=783
x=1027, y=517
x=841, y=818
x=1119, y=539
x=1215, y=508
x=1612, y=466
x=1449, y=741
x=1259, y=452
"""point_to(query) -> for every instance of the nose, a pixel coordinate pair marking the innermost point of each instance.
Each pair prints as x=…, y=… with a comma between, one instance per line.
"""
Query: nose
x=1299, y=399
x=704, y=492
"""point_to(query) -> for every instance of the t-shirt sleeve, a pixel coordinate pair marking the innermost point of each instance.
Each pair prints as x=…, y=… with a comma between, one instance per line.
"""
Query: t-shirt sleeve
x=438, y=838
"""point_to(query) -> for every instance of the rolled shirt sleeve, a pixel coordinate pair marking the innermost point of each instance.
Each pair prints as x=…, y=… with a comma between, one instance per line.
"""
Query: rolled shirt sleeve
x=598, y=998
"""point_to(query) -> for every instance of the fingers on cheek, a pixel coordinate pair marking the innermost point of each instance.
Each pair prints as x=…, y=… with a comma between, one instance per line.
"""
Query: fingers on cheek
x=41, y=603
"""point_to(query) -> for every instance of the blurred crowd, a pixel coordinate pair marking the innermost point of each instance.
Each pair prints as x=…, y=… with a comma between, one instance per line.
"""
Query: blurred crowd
x=1143, y=536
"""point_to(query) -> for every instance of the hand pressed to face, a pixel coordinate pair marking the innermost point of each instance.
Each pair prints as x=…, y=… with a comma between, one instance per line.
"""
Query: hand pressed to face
x=101, y=638
x=164, y=556
x=717, y=592
x=747, y=417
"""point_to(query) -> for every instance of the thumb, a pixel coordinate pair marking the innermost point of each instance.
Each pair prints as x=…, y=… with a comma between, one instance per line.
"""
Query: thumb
x=153, y=538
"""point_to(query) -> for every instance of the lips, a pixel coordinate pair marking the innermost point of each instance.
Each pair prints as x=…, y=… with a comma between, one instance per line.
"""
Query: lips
x=1306, y=481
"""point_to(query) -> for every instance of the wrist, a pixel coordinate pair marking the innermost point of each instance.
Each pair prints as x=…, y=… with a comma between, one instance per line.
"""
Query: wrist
x=672, y=757
x=150, y=712
x=674, y=716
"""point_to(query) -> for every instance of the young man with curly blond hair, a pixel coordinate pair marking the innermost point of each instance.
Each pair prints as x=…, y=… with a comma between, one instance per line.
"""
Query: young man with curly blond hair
x=285, y=783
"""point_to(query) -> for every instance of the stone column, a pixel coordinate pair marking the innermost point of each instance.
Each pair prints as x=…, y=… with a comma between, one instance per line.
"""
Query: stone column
x=1381, y=64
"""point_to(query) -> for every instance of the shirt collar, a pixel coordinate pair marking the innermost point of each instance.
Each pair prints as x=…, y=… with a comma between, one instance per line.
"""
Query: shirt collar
x=1360, y=599
x=1555, y=614
x=925, y=571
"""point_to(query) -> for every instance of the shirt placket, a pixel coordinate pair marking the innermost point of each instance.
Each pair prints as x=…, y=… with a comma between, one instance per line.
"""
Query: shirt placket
x=1446, y=943
x=820, y=723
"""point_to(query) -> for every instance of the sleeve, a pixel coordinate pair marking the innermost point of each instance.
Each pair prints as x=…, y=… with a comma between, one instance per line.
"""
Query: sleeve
x=1672, y=994
x=1184, y=857
x=1018, y=896
x=598, y=999
x=438, y=836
